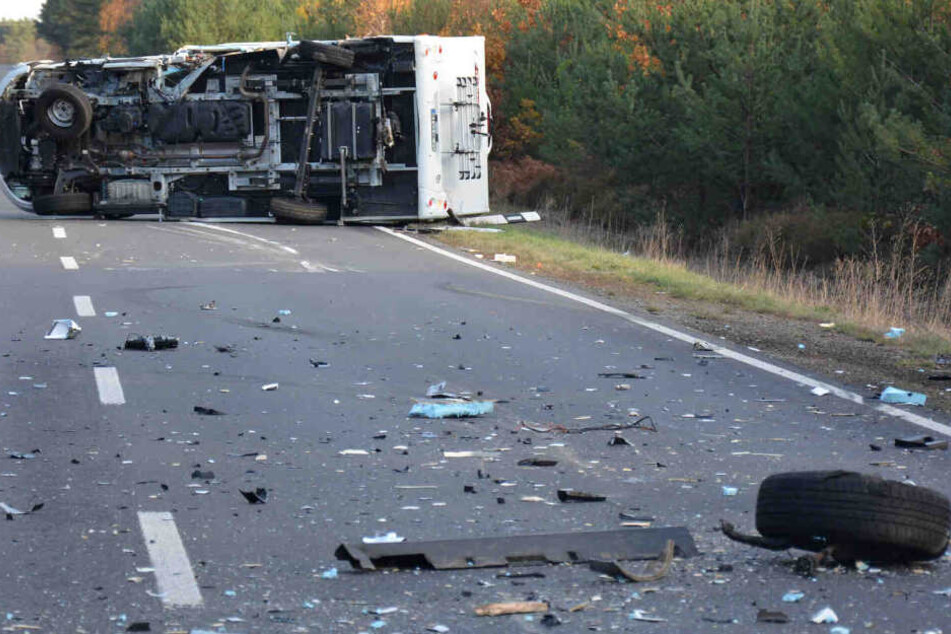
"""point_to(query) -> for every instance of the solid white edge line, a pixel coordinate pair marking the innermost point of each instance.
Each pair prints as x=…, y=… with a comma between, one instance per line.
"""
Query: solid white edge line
x=173, y=570
x=84, y=307
x=59, y=232
x=69, y=263
x=915, y=419
x=110, y=389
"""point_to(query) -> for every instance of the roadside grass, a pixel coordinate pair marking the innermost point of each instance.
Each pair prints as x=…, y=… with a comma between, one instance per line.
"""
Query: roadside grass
x=855, y=298
x=562, y=258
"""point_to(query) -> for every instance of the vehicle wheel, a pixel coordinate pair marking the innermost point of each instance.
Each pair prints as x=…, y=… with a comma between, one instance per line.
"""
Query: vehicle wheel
x=860, y=516
x=299, y=212
x=64, y=111
x=326, y=53
x=54, y=204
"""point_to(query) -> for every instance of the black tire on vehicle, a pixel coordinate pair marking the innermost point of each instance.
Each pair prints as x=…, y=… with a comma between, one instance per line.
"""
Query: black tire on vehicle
x=64, y=111
x=863, y=517
x=291, y=211
x=62, y=204
x=326, y=53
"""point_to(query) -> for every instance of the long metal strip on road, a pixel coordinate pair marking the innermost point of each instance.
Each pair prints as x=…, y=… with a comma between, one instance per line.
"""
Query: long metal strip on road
x=915, y=419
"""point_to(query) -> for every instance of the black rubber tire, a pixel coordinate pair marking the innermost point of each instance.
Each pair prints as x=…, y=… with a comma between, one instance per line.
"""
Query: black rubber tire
x=326, y=53
x=861, y=516
x=62, y=204
x=291, y=211
x=81, y=106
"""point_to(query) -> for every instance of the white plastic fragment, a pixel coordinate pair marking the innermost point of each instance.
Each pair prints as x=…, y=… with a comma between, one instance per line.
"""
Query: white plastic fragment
x=819, y=391
x=388, y=538
x=438, y=628
x=825, y=615
x=505, y=258
x=730, y=491
x=270, y=387
x=354, y=452
x=640, y=615
x=793, y=596
x=63, y=329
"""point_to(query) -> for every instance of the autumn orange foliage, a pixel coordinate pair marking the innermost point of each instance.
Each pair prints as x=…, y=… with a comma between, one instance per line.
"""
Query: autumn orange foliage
x=113, y=15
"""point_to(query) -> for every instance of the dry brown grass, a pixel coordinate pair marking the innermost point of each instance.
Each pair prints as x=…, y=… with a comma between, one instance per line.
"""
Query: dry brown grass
x=889, y=287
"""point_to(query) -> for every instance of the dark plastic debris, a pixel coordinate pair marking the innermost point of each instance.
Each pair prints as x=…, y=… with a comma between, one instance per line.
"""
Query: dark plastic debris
x=150, y=342
x=139, y=626
x=921, y=442
x=207, y=411
x=767, y=616
x=550, y=620
x=258, y=496
x=580, y=547
x=206, y=475
x=618, y=441
x=537, y=462
x=570, y=495
x=17, y=455
x=620, y=375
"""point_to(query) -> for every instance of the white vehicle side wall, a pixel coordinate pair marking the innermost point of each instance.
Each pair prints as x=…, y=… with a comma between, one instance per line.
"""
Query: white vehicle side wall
x=439, y=64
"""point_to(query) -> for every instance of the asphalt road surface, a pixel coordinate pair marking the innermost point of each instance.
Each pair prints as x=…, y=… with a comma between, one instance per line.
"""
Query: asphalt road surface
x=126, y=535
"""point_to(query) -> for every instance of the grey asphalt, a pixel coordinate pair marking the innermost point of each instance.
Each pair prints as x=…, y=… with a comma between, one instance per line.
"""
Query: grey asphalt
x=389, y=319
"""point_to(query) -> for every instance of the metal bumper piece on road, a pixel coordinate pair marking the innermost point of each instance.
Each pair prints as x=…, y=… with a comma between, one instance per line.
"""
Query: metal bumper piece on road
x=487, y=552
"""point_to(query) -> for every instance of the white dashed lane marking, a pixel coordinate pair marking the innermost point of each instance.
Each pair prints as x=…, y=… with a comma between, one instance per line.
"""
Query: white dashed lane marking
x=110, y=390
x=69, y=263
x=173, y=571
x=59, y=232
x=916, y=419
x=84, y=307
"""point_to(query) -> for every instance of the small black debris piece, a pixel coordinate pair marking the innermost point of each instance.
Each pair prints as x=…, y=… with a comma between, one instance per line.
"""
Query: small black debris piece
x=197, y=474
x=874, y=447
x=618, y=441
x=150, y=342
x=258, y=496
x=319, y=364
x=552, y=548
x=225, y=349
x=939, y=377
x=19, y=455
x=207, y=411
x=537, y=462
x=457, y=337
x=570, y=495
x=468, y=488
x=768, y=616
x=276, y=320
x=139, y=626
x=921, y=442
x=620, y=375
x=550, y=620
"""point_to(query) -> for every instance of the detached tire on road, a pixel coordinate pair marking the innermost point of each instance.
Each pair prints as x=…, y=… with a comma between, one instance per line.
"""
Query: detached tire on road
x=64, y=111
x=62, y=204
x=292, y=211
x=862, y=517
x=326, y=53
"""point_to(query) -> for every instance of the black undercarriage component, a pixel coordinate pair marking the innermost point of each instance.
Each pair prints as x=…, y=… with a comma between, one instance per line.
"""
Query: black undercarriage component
x=200, y=120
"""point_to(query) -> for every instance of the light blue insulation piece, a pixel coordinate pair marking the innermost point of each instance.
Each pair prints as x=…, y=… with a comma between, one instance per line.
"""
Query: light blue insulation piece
x=451, y=410
x=901, y=397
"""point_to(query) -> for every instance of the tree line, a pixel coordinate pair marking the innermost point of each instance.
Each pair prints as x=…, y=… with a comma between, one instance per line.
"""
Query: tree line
x=711, y=110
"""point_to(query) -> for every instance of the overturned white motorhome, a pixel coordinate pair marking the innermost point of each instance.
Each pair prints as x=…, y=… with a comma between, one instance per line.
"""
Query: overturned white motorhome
x=373, y=130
